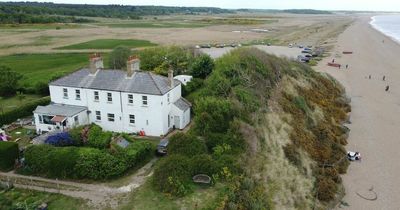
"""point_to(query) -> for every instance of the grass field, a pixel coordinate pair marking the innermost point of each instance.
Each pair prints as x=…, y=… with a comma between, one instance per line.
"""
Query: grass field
x=42, y=67
x=155, y=25
x=7, y=104
x=37, y=41
x=42, y=26
x=25, y=199
x=109, y=44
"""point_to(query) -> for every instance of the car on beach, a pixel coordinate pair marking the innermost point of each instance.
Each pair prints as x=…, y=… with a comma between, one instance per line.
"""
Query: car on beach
x=353, y=156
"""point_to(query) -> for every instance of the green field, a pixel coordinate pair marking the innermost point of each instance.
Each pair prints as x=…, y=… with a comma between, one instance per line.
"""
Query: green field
x=47, y=26
x=155, y=25
x=26, y=199
x=8, y=104
x=42, y=67
x=109, y=44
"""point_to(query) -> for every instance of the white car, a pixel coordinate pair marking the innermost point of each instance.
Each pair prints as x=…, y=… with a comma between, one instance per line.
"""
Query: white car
x=352, y=156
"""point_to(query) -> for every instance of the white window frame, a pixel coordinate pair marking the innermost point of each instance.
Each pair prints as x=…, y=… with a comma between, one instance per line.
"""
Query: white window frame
x=130, y=99
x=109, y=97
x=65, y=93
x=40, y=118
x=145, y=101
x=96, y=96
x=111, y=117
x=132, y=119
x=98, y=115
x=77, y=94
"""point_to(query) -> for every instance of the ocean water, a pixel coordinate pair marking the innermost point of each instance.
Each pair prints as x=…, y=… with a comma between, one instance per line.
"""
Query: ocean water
x=388, y=24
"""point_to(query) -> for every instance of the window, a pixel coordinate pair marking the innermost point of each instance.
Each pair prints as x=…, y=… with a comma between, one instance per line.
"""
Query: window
x=40, y=119
x=132, y=119
x=78, y=94
x=110, y=117
x=76, y=119
x=130, y=99
x=168, y=98
x=98, y=115
x=144, y=100
x=109, y=97
x=96, y=96
x=65, y=92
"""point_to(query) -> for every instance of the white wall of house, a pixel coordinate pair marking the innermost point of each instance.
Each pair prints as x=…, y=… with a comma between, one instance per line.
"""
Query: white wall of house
x=70, y=122
x=151, y=118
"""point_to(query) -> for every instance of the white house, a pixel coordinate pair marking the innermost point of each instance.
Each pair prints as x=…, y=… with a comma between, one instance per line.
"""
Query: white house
x=120, y=101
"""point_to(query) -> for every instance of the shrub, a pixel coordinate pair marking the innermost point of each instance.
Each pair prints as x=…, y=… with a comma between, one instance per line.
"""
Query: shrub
x=96, y=164
x=135, y=153
x=62, y=162
x=191, y=86
x=60, y=140
x=37, y=158
x=8, y=154
x=42, y=88
x=203, y=164
x=171, y=175
x=97, y=138
x=22, y=111
x=202, y=66
x=118, y=57
x=326, y=189
x=186, y=144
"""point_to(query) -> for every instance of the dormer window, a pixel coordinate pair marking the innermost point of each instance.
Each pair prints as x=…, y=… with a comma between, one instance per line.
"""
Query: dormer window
x=77, y=94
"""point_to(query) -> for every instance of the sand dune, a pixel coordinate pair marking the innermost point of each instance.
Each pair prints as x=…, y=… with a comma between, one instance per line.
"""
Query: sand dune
x=375, y=128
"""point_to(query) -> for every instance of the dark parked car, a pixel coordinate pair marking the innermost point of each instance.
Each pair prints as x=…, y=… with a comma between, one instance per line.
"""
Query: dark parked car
x=162, y=147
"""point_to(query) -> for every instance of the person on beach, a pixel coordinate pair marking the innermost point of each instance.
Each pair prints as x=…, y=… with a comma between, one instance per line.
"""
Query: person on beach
x=387, y=88
x=347, y=66
x=333, y=60
x=384, y=78
x=340, y=66
x=369, y=77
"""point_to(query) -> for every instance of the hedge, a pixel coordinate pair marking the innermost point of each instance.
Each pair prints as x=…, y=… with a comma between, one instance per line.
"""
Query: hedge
x=22, y=111
x=97, y=138
x=135, y=153
x=186, y=144
x=8, y=154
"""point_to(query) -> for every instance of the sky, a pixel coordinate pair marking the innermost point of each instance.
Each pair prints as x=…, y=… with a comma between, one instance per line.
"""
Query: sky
x=361, y=5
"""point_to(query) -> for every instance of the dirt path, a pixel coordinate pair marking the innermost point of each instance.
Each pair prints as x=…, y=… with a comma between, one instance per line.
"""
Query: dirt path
x=373, y=183
x=98, y=195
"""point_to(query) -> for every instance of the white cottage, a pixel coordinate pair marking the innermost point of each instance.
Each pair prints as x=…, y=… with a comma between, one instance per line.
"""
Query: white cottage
x=120, y=101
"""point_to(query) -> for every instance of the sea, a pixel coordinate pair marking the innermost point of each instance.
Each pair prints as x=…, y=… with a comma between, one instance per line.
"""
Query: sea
x=388, y=25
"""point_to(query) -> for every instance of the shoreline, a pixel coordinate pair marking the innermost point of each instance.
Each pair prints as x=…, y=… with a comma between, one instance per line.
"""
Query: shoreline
x=375, y=27
x=374, y=123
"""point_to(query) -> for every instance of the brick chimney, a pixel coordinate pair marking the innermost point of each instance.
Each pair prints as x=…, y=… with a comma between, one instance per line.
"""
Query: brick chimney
x=96, y=62
x=132, y=66
x=171, y=78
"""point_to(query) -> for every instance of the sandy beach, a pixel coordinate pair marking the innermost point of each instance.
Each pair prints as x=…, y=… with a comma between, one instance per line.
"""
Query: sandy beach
x=375, y=117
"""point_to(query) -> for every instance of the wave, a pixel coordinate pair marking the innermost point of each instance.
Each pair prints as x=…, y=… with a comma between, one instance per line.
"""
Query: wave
x=388, y=25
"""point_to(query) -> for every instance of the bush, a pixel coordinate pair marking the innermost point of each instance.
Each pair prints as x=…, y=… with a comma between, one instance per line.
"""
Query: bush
x=37, y=158
x=62, y=162
x=135, y=153
x=186, y=144
x=60, y=140
x=191, y=86
x=42, y=88
x=22, y=111
x=97, y=138
x=118, y=57
x=326, y=189
x=171, y=175
x=96, y=164
x=8, y=154
x=202, y=66
x=203, y=164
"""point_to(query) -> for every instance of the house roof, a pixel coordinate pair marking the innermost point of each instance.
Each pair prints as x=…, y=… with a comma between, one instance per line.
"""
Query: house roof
x=116, y=80
x=60, y=109
x=182, y=104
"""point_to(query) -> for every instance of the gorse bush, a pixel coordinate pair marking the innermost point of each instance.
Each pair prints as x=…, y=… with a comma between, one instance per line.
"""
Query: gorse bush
x=9, y=152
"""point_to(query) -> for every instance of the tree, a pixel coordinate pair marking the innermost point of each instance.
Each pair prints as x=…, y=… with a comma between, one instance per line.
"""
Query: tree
x=202, y=66
x=118, y=57
x=8, y=81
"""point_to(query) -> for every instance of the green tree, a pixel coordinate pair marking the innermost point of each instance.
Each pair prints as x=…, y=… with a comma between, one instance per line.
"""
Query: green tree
x=9, y=81
x=118, y=57
x=202, y=66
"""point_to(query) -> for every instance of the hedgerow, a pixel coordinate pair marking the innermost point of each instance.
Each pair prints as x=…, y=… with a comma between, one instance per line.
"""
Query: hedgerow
x=9, y=152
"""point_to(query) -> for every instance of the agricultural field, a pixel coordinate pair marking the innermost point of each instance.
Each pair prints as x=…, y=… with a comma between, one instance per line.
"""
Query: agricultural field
x=47, y=26
x=109, y=44
x=155, y=24
x=42, y=67
x=8, y=104
x=26, y=199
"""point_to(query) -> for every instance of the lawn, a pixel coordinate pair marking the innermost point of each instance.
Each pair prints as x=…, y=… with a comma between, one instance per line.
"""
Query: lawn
x=148, y=198
x=22, y=135
x=7, y=104
x=42, y=67
x=109, y=44
x=30, y=200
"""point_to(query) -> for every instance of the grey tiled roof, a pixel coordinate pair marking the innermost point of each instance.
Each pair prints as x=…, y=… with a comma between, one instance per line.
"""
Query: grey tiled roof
x=182, y=104
x=60, y=109
x=116, y=80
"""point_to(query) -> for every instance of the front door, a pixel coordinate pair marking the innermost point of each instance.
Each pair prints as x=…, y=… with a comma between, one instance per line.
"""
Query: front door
x=177, y=122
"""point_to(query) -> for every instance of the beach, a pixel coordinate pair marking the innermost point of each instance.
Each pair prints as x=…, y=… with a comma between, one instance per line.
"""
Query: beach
x=374, y=182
